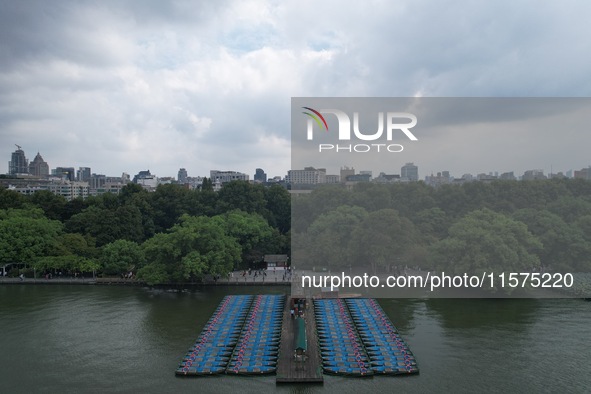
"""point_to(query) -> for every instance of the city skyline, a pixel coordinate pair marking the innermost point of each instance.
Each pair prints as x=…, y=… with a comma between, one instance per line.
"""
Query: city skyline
x=422, y=174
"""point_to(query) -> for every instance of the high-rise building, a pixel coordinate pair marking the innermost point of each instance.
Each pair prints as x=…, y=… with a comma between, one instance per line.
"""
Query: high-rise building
x=97, y=181
x=83, y=174
x=409, y=172
x=38, y=167
x=18, y=163
x=260, y=175
x=182, y=176
x=66, y=173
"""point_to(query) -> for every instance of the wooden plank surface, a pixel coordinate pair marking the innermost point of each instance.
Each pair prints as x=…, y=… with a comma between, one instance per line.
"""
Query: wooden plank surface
x=288, y=369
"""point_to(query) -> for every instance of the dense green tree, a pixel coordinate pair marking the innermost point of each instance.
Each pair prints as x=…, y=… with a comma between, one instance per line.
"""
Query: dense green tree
x=52, y=204
x=11, y=199
x=121, y=256
x=154, y=273
x=97, y=222
x=77, y=244
x=75, y=206
x=564, y=246
x=107, y=225
x=486, y=241
x=432, y=223
x=278, y=206
x=452, y=199
x=207, y=185
x=26, y=235
x=68, y=263
x=169, y=203
x=327, y=243
x=412, y=197
x=570, y=208
x=371, y=196
x=242, y=195
x=384, y=239
x=250, y=230
x=194, y=247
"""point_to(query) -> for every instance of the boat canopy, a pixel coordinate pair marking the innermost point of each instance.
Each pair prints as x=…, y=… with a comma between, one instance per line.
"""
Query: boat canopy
x=301, y=342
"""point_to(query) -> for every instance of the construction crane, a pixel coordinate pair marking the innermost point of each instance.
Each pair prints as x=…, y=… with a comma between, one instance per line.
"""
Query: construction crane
x=18, y=146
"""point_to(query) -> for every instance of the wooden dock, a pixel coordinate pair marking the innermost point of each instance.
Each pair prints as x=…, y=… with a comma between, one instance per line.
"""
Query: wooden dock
x=289, y=370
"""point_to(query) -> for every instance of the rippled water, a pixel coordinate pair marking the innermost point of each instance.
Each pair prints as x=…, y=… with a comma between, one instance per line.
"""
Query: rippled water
x=126, y=339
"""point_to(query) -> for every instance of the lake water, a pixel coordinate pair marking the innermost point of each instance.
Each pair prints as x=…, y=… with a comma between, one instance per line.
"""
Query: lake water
x=72, y=339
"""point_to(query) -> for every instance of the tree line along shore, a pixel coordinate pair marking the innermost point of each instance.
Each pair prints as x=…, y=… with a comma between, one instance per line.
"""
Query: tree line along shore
x=176, y=235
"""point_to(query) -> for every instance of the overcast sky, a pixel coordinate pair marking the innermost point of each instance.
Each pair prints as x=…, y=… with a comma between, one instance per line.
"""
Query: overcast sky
x=123, y=86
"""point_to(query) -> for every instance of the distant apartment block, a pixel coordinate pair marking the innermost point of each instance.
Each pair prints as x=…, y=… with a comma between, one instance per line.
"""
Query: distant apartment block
x=333, y=178
x=486, y=177
x=307, y=176
x=583, y=173
x=68, y=190
x=148, y=182
x=194, y=182
x=97, y=181
x=166, y=180
x=227, y=176
x=533, y=174
x=442, y=178
x=508, y=176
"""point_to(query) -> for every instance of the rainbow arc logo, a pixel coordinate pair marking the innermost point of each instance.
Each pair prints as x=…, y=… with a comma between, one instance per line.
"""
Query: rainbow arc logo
x=317, y=116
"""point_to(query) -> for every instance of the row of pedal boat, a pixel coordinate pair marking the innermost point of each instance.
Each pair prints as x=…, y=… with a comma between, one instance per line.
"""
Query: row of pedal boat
x=241, y=337
x=257, y=349
x=341, y=348
x=387, y=351
x=356, y=338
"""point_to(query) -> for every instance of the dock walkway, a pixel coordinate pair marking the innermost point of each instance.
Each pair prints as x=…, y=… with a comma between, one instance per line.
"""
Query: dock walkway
x=288, y=369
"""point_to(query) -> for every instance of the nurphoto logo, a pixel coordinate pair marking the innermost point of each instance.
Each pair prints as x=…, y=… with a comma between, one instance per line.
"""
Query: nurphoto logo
x=395, y=121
